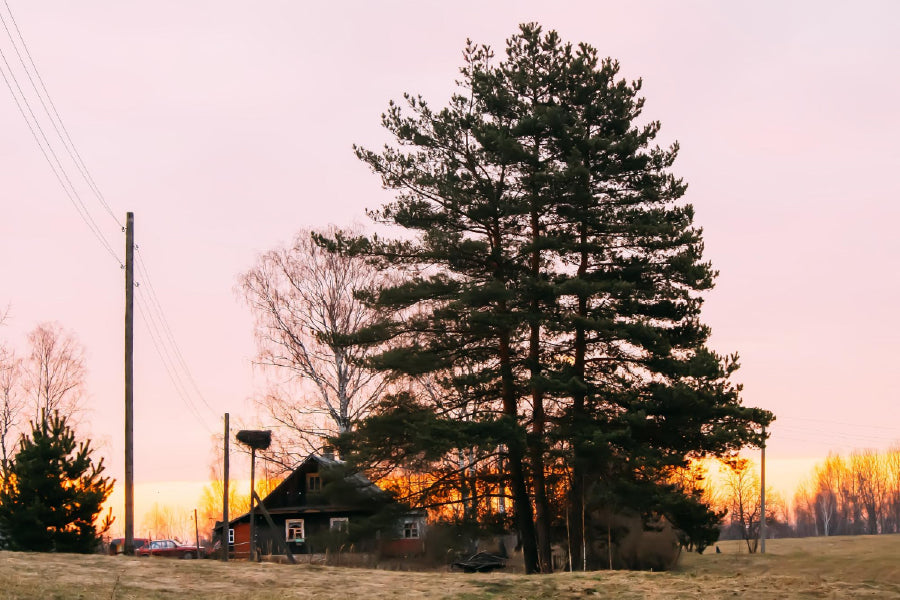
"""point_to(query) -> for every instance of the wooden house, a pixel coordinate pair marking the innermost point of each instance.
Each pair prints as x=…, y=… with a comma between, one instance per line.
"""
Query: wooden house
x=315, y=504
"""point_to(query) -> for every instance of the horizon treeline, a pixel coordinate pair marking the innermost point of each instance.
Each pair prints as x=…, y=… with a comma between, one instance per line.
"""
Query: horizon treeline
x=853, y=494
x=857, y=494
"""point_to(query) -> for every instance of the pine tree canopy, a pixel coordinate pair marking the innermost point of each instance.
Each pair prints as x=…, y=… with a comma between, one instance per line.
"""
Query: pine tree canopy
x=54, y=492
x=555, y=281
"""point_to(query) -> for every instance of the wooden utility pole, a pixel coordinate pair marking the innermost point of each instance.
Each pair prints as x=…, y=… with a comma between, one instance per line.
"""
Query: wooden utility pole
x=225, y=523
x=257, y=440
x=252, y=497
x=762, y=496
x=197, y=533
x=129, y=384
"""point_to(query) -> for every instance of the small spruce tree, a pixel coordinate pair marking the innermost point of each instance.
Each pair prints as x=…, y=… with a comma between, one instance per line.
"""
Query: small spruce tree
x=54, y=493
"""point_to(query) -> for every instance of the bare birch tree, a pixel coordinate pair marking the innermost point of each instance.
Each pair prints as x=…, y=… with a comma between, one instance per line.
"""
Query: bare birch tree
x=806, y=517
x=892, y=467
x=12, y=402
x=305, y=304
x=54, y=370
x=827, y=478
x=870, y=481
x=164, y=521
x=742, y=485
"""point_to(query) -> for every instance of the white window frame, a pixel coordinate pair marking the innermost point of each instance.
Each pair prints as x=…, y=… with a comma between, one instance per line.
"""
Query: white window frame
x=343, y=524
x=230, y=536
x=290, y=524
x=411, y=530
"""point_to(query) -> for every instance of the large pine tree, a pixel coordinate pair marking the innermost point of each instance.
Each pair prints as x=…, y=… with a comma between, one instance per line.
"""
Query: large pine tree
x=549, y=252
x=54, y=492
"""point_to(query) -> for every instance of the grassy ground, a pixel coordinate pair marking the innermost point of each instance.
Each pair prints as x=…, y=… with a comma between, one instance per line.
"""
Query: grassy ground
x=839, y=567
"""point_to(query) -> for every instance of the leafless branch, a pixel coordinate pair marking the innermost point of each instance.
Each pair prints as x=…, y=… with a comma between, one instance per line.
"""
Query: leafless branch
x=306, y=305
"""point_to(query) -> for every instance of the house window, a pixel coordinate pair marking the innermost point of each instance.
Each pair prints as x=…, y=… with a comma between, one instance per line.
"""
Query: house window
x=293, y=530
x=231, y=536
x=340, y=524
x=313, y=483
x=411, y=530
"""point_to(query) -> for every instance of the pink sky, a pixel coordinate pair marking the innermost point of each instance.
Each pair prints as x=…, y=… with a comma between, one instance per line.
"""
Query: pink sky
x=227, y=126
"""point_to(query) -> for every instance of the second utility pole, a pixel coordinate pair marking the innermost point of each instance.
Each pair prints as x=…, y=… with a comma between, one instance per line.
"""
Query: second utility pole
x=762, y=496
x=129, y=384
x=226, y=524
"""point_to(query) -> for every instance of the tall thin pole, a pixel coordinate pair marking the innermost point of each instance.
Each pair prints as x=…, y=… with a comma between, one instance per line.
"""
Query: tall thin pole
x=225, y=523
x=129, y=383
x=197, y=533
x=762, y=496
x=252, y=516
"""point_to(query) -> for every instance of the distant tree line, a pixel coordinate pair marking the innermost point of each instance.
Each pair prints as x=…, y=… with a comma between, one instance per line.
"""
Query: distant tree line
x=858, y=494
x=854, y=495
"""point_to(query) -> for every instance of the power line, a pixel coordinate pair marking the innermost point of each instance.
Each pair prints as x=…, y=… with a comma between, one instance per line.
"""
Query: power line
x=833, y=422
x=155, y=318
x=166, y=328
x=60, y=175
x=153, y=330
x=814, y=441
x=63, y=135
x=839, y=434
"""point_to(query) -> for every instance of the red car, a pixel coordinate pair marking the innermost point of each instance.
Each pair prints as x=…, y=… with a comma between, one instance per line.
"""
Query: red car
x=170, y=548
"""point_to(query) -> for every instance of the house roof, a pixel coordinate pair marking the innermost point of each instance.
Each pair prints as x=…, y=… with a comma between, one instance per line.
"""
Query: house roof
x=359, y=482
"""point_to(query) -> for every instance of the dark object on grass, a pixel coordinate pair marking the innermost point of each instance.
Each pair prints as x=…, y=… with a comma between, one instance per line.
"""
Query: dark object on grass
x=483, y=562
x=718, y=551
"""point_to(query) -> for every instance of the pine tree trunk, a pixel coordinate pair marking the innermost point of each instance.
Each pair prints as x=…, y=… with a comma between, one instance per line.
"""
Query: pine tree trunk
x=536, y=448
x=545, y=554
x=536, y=441
x=577, y=491
x=521, y=501
x=472, y=479
x=575, y=515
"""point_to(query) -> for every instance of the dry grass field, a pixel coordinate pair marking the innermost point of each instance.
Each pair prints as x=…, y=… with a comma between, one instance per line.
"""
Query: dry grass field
x=839, y=567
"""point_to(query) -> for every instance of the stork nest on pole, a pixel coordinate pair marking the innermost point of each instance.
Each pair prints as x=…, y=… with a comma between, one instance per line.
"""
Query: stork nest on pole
x=255, y=438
